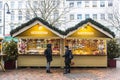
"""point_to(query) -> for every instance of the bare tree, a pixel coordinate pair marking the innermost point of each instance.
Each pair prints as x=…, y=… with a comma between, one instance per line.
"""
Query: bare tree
x=114, y=18
x=52, y=11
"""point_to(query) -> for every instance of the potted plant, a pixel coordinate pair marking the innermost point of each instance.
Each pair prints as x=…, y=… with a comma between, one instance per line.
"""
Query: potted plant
x=113, y=51
x=11, y=51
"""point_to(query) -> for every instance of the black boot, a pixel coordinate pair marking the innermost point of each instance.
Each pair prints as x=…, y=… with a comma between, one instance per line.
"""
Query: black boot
x=65, y=71
x=68, y=70
x=48, y=71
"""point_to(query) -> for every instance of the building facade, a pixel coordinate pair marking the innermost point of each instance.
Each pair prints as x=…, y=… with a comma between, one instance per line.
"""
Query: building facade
x=77, y=10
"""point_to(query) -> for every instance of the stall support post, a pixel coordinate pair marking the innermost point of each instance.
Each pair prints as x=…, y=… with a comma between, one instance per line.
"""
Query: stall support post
x=62, y=41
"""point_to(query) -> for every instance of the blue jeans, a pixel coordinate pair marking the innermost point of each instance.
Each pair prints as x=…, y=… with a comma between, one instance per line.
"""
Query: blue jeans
x=48, y=66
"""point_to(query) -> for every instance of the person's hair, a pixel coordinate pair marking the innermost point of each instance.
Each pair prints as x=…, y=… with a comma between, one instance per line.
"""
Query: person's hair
x=49, y=45
x=66, y=47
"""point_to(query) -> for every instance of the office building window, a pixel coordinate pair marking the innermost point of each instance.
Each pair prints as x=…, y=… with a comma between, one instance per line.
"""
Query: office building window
x=0, y=29
x=94, y=16
x=71, y=16
x=110, y=16
x=27, y=4
x=20, y=4
x=79, y=16
x=87, y=16
x=1, y=4
x=0, y=16
x=12, y=27
x=0, y=19
x=56, y=2
x=20, y=15
x=71, y=4
x=102, y=16
x=79, y=4
x=12, y=5
x=35, y=4
x=102, y=3
x=87, y=4
x=12, y=15
x=110, y=3
x=56, y=14
x=94, y=4
x=27, y=15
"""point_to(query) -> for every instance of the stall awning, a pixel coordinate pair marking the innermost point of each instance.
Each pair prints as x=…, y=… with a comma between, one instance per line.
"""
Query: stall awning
x=9, y=38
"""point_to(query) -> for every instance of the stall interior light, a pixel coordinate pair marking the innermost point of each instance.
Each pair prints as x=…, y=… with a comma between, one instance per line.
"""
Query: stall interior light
x=85, y=27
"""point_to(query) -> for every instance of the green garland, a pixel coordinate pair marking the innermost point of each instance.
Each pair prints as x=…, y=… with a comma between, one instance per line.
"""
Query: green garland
x=93, y=22
x=60, y=31
x=32, y=21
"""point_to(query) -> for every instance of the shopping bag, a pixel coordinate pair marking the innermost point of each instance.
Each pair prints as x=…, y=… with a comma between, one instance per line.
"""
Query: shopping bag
x=72, y=63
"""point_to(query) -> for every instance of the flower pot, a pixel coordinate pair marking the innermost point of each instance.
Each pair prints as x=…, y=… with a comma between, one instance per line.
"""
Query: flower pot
x=10, y=65
x=112, y=63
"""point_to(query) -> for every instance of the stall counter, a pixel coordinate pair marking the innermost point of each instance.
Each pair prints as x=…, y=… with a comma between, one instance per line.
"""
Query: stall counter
x=36, y=60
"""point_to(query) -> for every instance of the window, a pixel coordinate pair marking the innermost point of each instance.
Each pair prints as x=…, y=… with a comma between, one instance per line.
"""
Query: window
x=94, y=4
x=19, y=4
x=102, y=3
x=71, y=4
x=1, y=4
x=35, y=4
x=87, y=4
x=20, y=15
x=56, y=14
x=94, y=16
x=110, y=3
x=79, y=4
x=12, y=5
x=87, y=16
x=27, y=4
x=102, y=16
x=110, y=16
x=0, y=16
x=0, y=19
x=56, y=2
x=12, y=27
x=12, y=15
x=0, y=29
x=79, y=16
x=42, y=3
x=71, y=16
x=27, y=15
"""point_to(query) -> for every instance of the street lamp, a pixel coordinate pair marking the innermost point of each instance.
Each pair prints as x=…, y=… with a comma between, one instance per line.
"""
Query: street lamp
x=8, y=12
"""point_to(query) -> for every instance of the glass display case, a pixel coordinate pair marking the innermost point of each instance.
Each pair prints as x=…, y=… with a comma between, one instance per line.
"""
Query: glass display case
x=38, y=46
x=87, y=46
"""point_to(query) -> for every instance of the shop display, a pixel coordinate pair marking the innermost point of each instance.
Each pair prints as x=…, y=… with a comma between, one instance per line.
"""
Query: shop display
x=38, y=46
x=87, y=46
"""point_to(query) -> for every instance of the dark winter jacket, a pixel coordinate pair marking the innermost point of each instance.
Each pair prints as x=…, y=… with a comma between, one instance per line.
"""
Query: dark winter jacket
x=67, y=58
x=48, y=53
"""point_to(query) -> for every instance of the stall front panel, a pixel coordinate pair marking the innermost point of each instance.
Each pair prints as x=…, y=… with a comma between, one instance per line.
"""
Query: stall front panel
x=88, y=45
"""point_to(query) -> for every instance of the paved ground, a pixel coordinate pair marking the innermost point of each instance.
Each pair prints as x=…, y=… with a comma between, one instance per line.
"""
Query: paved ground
x=76, y=74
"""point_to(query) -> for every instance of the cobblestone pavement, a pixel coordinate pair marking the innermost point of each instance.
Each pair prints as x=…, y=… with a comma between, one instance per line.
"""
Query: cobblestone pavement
x=76, y=74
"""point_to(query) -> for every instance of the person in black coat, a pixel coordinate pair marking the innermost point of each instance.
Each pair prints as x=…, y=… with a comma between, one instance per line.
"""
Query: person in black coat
x=48, y=55
x=67, y=61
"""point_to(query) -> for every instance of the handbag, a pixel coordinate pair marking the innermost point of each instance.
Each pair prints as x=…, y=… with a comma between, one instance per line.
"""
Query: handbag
x=72, y=63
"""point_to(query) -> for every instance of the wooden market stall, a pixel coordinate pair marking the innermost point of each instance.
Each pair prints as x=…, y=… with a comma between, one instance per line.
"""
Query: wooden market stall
x=88, y=42
x=33, y=37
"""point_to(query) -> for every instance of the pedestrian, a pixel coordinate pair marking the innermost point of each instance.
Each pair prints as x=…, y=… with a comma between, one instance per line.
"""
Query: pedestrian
x=48, y=55
x=68, y=57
